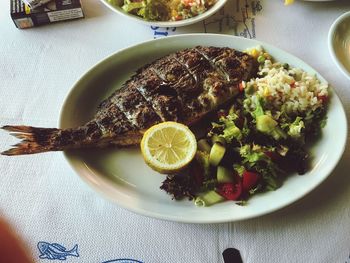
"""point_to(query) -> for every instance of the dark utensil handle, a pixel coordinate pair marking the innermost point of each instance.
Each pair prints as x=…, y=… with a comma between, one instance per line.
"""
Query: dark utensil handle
x=232, y=255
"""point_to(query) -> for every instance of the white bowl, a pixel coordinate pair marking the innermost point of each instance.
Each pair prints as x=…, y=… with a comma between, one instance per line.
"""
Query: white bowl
x=185, y=22
x=339, y=43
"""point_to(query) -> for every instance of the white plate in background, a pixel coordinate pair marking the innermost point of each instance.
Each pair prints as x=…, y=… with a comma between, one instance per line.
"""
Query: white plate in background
x=339, y=43
x=211, y=11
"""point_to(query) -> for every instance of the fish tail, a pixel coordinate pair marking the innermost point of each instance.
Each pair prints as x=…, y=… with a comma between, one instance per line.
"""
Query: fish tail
x=33, y=139
x=92, y=134
x=74, y=251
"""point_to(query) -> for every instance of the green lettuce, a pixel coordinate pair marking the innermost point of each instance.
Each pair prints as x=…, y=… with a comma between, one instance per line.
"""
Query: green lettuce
x=265, y=123
x=152, y=10
x=296, y=127
x=255, y=158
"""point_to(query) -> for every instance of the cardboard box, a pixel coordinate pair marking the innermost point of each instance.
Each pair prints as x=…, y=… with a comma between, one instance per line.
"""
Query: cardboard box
x=57, y=10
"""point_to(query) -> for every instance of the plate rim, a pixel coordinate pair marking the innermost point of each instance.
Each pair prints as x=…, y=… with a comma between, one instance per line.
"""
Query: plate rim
x=331, y=49
x=158, y=215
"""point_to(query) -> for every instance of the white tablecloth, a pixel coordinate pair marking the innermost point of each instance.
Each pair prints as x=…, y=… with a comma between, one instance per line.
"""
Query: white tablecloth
x=44, y=200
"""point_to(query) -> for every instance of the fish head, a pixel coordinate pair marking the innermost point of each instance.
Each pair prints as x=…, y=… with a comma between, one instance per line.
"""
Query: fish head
x=43, y=246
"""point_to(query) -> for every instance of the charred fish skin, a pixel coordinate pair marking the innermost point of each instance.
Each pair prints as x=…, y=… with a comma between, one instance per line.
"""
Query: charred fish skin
x=182, y=87
x=185, y=85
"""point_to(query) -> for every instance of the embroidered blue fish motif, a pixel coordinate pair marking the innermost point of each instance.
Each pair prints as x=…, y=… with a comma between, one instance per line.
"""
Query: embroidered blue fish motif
x=56, y=251
x=123, y=260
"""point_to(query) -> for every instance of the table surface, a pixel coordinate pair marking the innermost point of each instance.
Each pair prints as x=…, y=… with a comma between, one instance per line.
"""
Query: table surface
x=45, y=201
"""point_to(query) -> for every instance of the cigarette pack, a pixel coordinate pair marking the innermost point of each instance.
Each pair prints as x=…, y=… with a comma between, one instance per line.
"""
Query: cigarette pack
x=57, y=10
x=35, y=3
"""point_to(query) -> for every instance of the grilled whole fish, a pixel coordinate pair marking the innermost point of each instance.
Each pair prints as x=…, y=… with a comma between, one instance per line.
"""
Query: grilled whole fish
x=182, y=87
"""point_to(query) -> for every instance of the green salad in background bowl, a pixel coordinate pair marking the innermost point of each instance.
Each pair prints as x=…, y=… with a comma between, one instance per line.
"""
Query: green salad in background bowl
x=166, y=13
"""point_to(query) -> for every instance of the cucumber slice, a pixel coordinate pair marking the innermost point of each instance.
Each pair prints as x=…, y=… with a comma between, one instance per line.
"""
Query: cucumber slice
x=223, y=175
x=203, y=145
x=217, y=152
x=208, y=198
x=218, y=139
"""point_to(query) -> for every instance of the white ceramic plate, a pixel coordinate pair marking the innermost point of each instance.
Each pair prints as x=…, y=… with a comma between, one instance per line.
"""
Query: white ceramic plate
x=122, y=176
x=339, y=43
x=117, y=9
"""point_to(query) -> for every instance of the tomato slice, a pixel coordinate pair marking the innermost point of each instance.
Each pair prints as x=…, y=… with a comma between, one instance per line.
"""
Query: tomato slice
x=323, y=98
x=249, y=180
x=240, y=87
x=230, y=191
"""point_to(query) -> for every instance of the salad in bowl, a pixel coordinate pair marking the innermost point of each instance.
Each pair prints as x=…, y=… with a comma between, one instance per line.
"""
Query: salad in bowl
x=166, y=12
x=163, y=10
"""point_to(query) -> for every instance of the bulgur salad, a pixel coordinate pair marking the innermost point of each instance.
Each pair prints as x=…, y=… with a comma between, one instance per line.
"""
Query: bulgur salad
x=254, y=143
x=165, y=10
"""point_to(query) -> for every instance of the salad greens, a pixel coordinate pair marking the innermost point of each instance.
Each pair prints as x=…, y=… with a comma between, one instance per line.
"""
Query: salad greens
x=148, y=9
x=258, y=153
x=253, y=144
x=164, y=10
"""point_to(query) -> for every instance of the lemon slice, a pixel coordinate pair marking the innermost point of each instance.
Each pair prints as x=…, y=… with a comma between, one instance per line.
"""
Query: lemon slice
x=168, y=147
